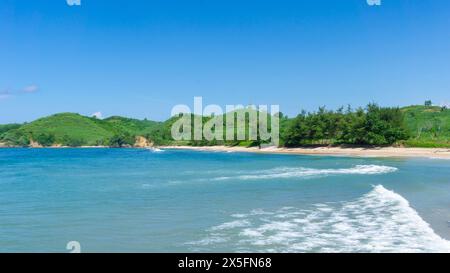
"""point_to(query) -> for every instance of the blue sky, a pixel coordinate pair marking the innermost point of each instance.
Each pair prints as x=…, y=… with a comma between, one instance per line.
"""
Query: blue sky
x=140, y=58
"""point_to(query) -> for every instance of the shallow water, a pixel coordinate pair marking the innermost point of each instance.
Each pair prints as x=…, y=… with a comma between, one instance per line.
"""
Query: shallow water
x=174, y=201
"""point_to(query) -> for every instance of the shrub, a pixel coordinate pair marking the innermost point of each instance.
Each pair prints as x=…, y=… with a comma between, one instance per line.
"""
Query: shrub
x=45, y=139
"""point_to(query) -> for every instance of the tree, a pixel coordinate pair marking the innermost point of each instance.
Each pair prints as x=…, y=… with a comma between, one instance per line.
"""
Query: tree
x=373, y=125
x=384, y=126
x=120, y=140
x=16, y=137
x=297, y=132
x=45, y=139
x=72, y=141
x=428, y=103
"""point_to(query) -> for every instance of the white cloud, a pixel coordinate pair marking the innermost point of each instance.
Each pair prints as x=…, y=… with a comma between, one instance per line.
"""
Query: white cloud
x=5, y=95
x=97, y=115
x=8, y=93
x=30, y=89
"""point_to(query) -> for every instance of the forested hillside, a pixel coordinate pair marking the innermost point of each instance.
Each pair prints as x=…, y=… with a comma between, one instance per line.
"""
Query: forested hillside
x=412, y=126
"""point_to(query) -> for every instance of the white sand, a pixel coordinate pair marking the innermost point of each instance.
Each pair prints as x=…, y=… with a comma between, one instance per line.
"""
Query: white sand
x=443, y=153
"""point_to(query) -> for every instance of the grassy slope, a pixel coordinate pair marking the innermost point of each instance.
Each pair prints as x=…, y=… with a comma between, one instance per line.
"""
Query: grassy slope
x=92, y=131
x=429, y=126
x=89, y=130
x=5, y=128
x=132, y=126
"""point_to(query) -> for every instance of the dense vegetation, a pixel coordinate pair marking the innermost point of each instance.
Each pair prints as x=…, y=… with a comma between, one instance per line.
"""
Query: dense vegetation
x=163, y=136
x=7, y=127
x=74, y=130
x=371, y=126
x=416, y=126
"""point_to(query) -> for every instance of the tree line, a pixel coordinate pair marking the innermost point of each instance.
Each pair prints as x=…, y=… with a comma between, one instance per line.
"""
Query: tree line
x=372, y=125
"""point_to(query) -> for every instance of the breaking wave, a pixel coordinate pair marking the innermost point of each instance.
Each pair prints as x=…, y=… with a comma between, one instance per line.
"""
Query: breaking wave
x=309, y=172
x=379, y=221
x=155, y=150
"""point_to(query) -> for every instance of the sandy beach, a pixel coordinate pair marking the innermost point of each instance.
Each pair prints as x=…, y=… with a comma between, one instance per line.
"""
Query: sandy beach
x=441, y=153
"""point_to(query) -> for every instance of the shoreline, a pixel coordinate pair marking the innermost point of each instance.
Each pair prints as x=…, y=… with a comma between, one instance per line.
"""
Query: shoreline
x=363, y=152
x=437, y=153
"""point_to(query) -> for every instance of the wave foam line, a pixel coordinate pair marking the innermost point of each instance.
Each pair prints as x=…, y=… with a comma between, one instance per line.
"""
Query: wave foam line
x=379, y=221
x=308, y=172
x=155, y=150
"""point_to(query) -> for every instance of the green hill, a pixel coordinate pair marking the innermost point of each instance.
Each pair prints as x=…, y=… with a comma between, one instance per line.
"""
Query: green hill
x=71, y=129
x=132, y=126
x=429, y=126
x=162, y=135
x=415, y=126
x=7, y=127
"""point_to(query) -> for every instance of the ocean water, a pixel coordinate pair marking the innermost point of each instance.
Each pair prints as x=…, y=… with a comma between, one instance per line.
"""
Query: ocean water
x=135, y=200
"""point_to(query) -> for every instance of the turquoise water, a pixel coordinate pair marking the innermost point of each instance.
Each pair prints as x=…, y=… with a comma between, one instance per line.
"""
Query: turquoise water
x=131, y=200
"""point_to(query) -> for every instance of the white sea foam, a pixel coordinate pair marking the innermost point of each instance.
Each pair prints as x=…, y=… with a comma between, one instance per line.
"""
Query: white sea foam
x=155, y=150
x=379, y=221
x=309, y=172
x=233, y=224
